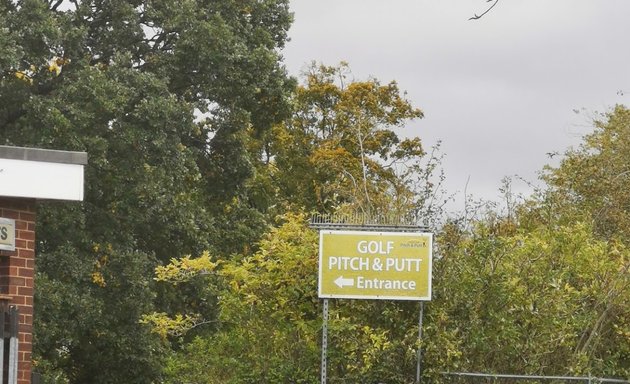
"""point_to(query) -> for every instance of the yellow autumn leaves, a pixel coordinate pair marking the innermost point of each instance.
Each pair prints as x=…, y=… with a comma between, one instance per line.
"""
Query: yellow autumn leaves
x=178, y=271
x=182, y=270
x=53, y=66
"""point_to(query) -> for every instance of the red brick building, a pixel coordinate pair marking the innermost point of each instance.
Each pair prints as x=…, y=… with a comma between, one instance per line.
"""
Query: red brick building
x=27, y=175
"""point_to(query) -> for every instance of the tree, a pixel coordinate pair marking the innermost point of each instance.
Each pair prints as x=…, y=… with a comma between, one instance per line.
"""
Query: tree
x=163, y=96
x=340, y=150
x=344, y=146
x=545, y=289
x=268, y=316
x=539, y=291
x=595, y=178
x=87, y=317
x=547, y=299
x=270, y=322
x=544, y=298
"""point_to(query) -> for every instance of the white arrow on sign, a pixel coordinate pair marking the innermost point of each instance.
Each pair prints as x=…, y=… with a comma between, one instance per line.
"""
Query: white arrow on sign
x=341, y=282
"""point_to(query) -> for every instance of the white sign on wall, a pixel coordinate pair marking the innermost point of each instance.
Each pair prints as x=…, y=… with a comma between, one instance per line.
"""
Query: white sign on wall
x=7, y=234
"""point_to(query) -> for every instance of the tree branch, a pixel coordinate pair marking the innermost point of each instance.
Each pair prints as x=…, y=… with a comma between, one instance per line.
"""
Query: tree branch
x=56, y=5
x=364, y=168
x=477, y=17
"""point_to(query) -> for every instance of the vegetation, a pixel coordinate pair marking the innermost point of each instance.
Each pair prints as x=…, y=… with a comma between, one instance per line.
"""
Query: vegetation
x=191, y=260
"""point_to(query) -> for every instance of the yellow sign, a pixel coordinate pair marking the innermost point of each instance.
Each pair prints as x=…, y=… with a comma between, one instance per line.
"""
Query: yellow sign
x=7, y=234
x=375, y=265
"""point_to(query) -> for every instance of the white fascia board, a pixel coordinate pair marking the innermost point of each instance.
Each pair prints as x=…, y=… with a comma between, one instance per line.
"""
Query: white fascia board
x=41, y=179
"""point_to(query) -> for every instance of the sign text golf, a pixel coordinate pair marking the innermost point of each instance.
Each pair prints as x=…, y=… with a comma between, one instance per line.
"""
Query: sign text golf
x=375, y=265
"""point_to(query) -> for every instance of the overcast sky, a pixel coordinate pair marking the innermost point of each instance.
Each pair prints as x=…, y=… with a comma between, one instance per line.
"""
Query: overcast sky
x=499, y=92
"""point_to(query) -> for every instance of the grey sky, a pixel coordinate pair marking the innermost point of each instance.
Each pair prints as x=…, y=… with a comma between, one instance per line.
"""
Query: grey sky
x=498, y=92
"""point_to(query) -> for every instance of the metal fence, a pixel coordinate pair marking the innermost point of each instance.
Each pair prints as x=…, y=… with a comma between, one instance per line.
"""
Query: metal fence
x=367, y=222
x=474, y=377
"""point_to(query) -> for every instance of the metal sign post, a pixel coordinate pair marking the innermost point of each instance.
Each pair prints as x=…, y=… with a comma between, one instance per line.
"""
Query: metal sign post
x=13, y=345
x=419, y=366
x=324, y=341
x=3, y=311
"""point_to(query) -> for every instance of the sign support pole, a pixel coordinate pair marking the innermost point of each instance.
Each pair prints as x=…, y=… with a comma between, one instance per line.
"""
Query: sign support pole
x=13, y=345
x=419, y=366
x=3, y=317
x=324, y=341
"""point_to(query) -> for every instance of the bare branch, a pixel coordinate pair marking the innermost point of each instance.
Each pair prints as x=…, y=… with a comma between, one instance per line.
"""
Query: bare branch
x=363, y=167
x=477, y=17
x=53, y=7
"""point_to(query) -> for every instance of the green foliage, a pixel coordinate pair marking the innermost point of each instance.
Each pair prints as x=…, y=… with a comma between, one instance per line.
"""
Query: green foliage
x=270, y=324
x=535, y=292
x=551, y=300
x=163, y=96
x=76, y=316
x=268, y=316
x=594, y=178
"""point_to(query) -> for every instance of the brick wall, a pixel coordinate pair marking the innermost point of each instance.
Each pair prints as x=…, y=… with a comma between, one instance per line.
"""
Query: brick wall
x=17, y=270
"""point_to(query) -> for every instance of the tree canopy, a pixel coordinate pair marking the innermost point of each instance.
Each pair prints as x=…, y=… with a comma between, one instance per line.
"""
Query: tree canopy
x=163, y=97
